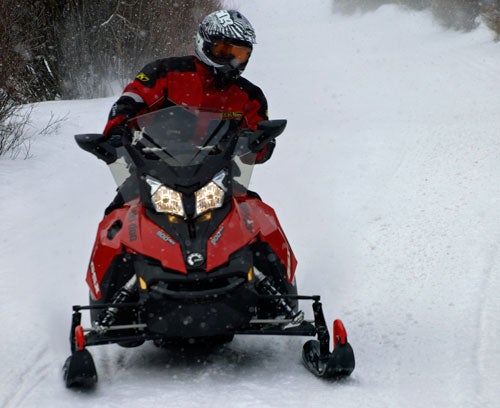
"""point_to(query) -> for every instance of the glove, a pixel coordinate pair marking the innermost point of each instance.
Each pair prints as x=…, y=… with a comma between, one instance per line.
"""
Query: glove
x=117, y=135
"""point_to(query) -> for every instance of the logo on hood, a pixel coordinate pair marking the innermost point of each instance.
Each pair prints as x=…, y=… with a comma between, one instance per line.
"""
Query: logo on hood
x=195, y=259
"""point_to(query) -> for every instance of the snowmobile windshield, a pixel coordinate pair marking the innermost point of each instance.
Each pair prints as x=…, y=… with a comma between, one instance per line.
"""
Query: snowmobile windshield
x=186, y=146
x=184, y=136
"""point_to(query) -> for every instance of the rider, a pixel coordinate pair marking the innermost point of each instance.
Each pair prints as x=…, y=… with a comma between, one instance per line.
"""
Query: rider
x=211, y=79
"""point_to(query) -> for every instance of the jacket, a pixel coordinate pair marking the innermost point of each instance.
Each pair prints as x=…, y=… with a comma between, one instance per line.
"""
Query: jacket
x=185, y=80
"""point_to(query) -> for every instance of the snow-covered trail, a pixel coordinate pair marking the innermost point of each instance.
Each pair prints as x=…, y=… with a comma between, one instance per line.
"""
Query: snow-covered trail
x=391, y=202
x=403, y=166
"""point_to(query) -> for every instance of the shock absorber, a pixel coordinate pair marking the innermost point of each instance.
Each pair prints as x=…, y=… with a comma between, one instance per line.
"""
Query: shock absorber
x=264, y=285
x=108, y=317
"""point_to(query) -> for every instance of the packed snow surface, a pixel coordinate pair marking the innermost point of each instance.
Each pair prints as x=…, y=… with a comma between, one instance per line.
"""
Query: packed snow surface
x=387, y=182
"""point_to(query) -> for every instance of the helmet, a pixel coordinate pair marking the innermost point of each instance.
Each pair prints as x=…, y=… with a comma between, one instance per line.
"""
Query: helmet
x=224, y=42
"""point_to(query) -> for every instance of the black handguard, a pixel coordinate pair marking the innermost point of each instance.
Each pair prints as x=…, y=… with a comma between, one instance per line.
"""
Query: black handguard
x=268, y=153
x=266, y=133
x=98, y=145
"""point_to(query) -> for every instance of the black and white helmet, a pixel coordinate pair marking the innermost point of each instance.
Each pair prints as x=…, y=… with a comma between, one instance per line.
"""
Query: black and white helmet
x=224, y=42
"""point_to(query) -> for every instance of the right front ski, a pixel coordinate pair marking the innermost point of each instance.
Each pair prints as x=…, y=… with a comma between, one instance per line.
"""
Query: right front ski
x=316, y=354
x=338, y=363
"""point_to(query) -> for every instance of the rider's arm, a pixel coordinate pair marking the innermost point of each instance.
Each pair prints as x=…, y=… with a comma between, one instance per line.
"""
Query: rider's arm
x=257, y=112
x=139, y=96
x=124, y=108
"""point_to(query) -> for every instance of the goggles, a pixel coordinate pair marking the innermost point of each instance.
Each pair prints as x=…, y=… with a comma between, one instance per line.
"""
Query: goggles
x=223, y=49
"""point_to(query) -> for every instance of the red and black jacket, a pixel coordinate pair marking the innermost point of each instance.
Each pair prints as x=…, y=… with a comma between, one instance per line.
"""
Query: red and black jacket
x=185, y=80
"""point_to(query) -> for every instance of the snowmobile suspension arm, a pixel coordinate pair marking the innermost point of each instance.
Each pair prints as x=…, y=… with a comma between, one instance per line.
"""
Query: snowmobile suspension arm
x=317, y=327
x=321, y=329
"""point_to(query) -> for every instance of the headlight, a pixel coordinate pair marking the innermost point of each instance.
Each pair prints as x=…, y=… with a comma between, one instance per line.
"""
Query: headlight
x=209, y=197
x=166, y=200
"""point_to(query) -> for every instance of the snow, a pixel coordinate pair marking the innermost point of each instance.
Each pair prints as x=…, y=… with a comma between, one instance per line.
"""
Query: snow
x=386, y=182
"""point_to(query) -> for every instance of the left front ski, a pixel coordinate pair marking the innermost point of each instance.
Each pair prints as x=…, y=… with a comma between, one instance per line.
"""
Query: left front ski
x=79, y=369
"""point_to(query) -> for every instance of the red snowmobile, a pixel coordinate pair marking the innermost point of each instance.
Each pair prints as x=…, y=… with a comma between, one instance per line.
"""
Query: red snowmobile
x=192, y=255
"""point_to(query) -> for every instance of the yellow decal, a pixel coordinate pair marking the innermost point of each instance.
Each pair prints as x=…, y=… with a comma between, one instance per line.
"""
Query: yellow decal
x=142, y=77
x=232, y=115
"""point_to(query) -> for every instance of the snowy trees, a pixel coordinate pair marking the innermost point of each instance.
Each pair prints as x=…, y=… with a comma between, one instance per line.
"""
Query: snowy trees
x=25, y=53
x=457, y=14
x=76, y=48
x=107, y=45
x=82, y=48
x=490, y=11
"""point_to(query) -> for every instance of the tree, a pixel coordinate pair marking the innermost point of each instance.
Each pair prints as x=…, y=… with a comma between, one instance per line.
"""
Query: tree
x=25, y=73
x=490, y=13
x=456, y=14
x=106, y=44
x=77, y=48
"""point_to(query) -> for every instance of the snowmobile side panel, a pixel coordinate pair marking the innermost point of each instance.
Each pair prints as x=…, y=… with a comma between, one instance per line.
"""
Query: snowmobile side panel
x=104, y=251
x=251, y=219
x=145, y=237
x=128, y=227
x=234, y=233
x=271, y=232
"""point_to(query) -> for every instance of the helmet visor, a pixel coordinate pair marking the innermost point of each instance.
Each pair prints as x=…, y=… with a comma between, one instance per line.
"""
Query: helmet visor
x=224, y=49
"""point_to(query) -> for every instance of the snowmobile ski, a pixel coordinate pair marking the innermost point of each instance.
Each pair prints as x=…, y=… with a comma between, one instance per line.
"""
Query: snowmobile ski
x=79, y=369
x=321, y=362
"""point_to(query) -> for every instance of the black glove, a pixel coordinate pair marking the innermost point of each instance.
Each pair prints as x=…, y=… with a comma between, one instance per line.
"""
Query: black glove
x=117, y=135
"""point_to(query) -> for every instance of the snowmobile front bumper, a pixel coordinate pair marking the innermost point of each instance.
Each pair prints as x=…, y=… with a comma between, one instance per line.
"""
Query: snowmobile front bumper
x=79, y=369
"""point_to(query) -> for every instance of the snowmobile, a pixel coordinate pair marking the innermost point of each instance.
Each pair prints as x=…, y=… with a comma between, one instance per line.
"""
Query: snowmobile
x=192, y=255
